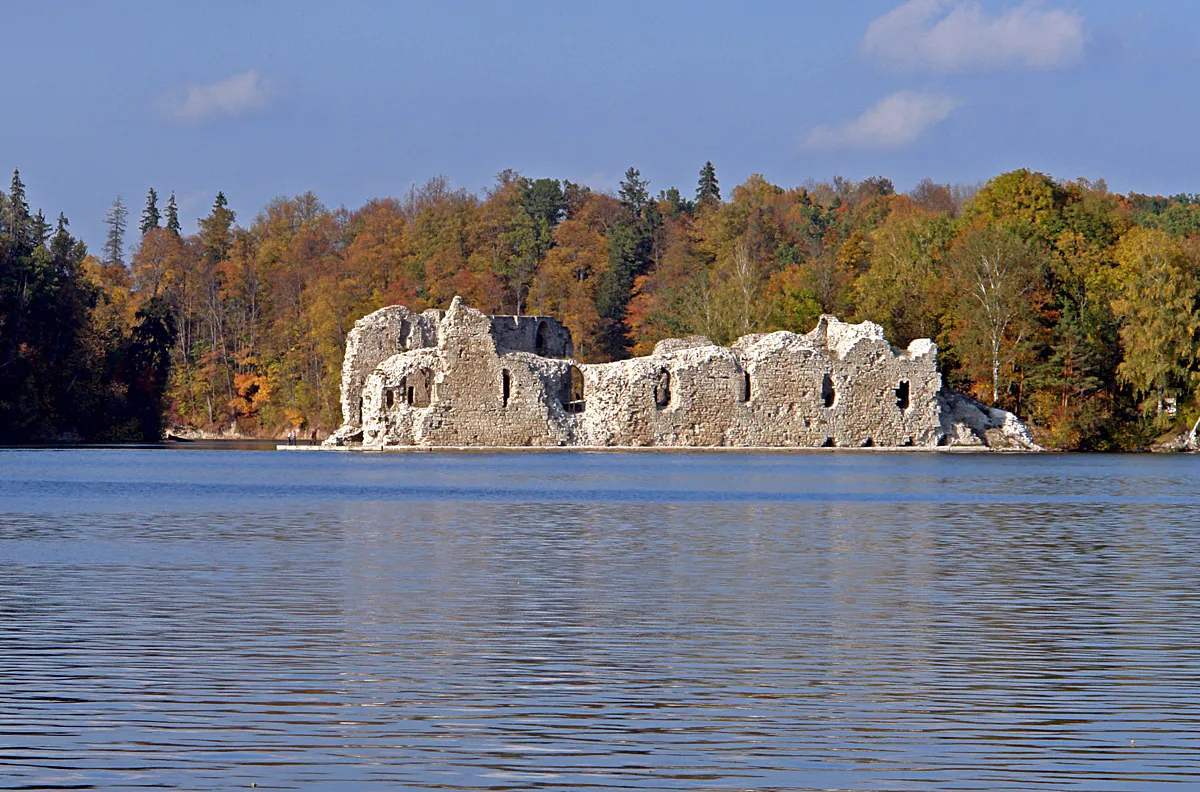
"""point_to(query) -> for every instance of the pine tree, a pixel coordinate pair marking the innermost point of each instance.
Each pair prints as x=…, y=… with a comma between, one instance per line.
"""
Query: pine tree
x=708, y=192
x=173, y=216
x=150, y=216
x=114, y=245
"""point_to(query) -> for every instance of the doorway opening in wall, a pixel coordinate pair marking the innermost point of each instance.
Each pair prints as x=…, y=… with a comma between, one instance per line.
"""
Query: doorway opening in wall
x=746, y=386
x=828, y=394
x=420, y=389
x=540, y=345
x=662, y=389
x=571, y=393
x=505, y=386
x=902, y=395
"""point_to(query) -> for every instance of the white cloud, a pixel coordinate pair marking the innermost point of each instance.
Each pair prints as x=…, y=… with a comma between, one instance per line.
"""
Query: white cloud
x=950, y=36
x=893, y=122
x=234, y=96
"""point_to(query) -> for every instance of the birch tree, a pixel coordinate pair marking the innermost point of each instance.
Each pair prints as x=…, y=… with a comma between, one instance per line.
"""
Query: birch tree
x=996, y=276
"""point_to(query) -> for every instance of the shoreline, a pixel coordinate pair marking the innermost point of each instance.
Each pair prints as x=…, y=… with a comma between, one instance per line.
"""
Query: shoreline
x=655, y=449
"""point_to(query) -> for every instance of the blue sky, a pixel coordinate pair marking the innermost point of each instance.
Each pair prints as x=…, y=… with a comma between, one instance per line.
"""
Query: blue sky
x=356, y=100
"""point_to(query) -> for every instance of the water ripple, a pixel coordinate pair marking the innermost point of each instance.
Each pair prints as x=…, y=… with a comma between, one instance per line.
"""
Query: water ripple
x=599, y=621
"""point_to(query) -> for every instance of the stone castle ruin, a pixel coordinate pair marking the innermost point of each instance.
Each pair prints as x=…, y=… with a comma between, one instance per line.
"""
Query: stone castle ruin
x=459, y=378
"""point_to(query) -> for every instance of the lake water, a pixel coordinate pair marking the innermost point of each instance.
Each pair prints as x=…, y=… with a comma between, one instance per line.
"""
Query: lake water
x=663, y=621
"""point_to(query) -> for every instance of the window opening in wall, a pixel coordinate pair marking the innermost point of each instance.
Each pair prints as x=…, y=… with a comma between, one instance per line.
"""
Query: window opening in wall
x=360, y=408
x=828, y=394
x=389, y=397
x=746, y=386
x=540, y=346
x=409, y=396
x=902, y=395
x=505, y=386
x=662, y=389
x=571, y=393
x=404, y=330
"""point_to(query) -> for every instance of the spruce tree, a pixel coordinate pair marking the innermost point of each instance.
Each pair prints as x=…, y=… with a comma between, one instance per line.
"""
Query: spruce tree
x=216, y=231
x=173, y=216
x=114, y=245
x=630, y=254
x=150, y=216
x=708, y=192
x=19, y=231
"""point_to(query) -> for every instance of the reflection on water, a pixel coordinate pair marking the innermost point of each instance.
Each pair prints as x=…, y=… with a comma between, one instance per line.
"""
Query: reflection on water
x=604, y=621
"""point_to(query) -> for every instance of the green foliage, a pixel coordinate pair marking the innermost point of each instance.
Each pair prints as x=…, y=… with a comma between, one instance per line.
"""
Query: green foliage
x=1078, y=308
x=150, y=216
x=173, y=216
x=708, y=190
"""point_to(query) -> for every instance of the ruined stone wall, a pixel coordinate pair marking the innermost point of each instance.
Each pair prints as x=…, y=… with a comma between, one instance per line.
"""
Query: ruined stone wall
x=841, y=385
x=538, y=335
x=374, y=339
x=478, y=397
x=779, y=389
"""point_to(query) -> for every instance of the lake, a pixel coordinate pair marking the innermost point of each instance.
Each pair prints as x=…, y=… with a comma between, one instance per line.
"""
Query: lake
x=212, y=619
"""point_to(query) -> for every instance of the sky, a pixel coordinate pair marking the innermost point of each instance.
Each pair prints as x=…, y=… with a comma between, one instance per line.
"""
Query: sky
x=355, y=100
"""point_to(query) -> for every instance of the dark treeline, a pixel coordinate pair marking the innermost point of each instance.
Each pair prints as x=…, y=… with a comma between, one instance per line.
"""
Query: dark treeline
x=81, y=356
x=1075, y=307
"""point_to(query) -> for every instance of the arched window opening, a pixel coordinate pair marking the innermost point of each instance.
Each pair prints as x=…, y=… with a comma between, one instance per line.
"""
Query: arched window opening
x=404, y=331
x=389, y=398
x=828, y=394
x=869, y=443
x=540, y=346
x=902, y=395
x=421, y=389
x=505, y=386
x=746, y=386
x=571, y=393
x=662, y=389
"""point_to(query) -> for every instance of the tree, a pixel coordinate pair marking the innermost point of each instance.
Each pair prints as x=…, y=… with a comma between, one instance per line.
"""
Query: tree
x=995, y=274
x=19, y=229
x=1157, y=309
x=630, y=253
x=114, y=243
x=1026, y=203
x=899, y=289
x=148, y=362
x=150, y=216
x=215, y=230
x=173, y=216
x=708, y=191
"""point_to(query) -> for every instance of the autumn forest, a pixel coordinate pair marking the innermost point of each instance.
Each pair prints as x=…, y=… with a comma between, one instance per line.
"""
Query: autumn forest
x=1077, y=308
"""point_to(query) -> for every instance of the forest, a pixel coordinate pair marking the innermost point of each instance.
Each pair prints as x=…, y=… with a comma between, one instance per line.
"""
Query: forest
x=1076, y=308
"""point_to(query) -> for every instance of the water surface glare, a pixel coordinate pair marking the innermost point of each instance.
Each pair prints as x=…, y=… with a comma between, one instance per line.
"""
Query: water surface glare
x=675, y=621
